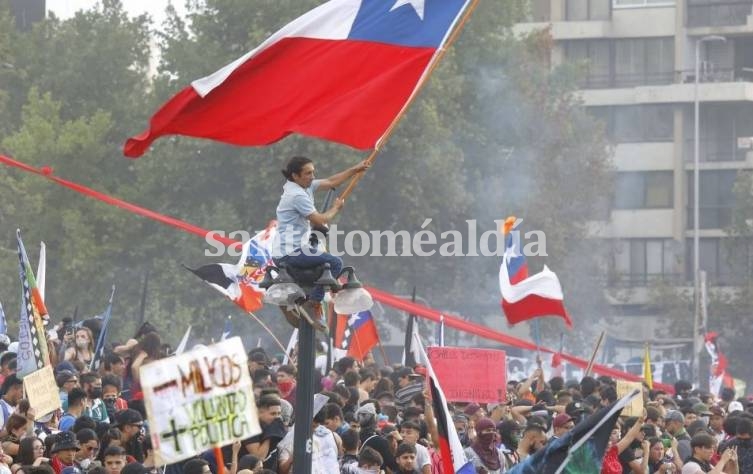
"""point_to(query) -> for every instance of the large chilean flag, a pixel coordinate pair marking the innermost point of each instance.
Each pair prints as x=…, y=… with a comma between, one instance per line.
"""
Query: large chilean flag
x=527, y=297
x=341, y=72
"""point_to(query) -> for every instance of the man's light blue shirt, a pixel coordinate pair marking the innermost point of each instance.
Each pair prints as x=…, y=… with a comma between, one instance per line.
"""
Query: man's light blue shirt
x=293, y=226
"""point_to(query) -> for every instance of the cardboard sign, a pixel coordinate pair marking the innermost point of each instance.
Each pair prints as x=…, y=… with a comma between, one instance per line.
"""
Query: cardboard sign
x=470, y=375
x=199, y=400
x=42, y=391
x=635, y=407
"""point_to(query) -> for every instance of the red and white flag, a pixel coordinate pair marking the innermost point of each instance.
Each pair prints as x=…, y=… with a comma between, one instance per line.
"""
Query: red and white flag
x=341, y=72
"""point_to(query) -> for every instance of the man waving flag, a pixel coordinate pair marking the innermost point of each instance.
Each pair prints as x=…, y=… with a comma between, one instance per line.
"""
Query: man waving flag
x=341, y=72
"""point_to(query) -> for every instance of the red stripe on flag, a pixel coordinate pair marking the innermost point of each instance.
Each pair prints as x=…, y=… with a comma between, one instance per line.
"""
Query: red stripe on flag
x=345, y=91
x=534, y=306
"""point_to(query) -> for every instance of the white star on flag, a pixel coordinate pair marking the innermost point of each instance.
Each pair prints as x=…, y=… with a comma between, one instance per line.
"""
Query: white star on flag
x=418, y=6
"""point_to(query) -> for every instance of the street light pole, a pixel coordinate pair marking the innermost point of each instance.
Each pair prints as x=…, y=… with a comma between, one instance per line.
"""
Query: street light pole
x=696, y=206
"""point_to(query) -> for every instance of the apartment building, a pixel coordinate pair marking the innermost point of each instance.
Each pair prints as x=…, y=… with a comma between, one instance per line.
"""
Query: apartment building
x=640, y=79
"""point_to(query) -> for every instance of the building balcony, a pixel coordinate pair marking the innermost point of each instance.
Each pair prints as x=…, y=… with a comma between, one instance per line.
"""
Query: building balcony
x=668, y=94
x=727, y=152
x=727, y=15
x=568, y=30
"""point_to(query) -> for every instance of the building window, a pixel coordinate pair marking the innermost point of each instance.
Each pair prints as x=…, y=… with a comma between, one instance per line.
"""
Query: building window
x=637, y=123
x=641, y=3
x=726, y=261
x=623, y=62
x=721, y=125
x=643, y=61
x=639, y=261
x=716, y=201
x=585, y=10
x=644, y=190
x=718, y=12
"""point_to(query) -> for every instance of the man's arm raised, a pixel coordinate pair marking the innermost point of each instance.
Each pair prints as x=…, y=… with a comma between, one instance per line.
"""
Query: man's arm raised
x=337, y=179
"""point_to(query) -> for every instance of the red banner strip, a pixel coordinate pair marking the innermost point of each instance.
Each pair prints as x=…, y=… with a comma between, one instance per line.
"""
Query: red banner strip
x=379, y=295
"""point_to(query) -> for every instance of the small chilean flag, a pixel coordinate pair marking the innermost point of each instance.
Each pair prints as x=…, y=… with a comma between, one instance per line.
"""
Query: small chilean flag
x=525, y=297
x=341, y=72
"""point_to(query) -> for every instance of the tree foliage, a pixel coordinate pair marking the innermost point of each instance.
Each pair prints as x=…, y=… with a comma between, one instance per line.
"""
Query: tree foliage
x=495, y=132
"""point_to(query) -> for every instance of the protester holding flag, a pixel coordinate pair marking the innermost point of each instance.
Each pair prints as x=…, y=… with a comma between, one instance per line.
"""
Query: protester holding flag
x=296, y=214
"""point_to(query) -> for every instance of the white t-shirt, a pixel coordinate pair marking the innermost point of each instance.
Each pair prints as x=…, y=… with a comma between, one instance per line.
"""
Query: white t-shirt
x=691, y=467
x=422, y=456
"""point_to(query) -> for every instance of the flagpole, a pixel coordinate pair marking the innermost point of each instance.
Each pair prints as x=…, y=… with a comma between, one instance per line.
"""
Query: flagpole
x=430, y=70
x=379, y=342
x=593, y=356
x=266, y=328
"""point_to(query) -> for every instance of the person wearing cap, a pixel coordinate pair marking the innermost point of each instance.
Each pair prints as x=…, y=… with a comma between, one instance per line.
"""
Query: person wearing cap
x=411, y=432
x=131, y=425
x=561, y=424
x=674, y=422
x=716, y=422
x=409, y=384
x=366, y=417
x=63, y=451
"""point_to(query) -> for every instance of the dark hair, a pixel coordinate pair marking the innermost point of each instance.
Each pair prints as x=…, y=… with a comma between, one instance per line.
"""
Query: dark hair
x=295, y=166
x=84, y=422
x=112, y=380
x=26, y=450
x=702, y=440
x=266, y=401
x=744, y=426
x=588, y=385
x=194, y=466
x=288, y=369
x=14, y=422
x=405, y=448
x=75, y=396
x=350, y=440
x=151, y=344
x=369, y=456
x=351, y=379
x=88, y=378
x=248, y=461
x=84, y=435
x=332, y=410
x=409, y=425
x=114, y=451
x=43, y=468
x=111, y=359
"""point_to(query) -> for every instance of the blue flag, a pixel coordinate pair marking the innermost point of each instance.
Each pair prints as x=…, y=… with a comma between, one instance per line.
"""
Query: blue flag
x=99, y=350
x=3, y=323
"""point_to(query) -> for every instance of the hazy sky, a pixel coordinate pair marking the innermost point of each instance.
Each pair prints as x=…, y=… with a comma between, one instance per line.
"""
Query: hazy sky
x=156, y=8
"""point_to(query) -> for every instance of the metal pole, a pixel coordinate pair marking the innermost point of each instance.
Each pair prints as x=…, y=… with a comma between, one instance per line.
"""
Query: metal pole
x=304, y=397
x=696, y=207
x=696, y=211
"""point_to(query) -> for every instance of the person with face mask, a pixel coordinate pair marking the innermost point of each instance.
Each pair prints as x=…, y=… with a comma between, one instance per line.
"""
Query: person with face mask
x=286, y=382
x=509, y=435
x=86, y=457
x=83, y=350
x=95, y=408
x=483, y=452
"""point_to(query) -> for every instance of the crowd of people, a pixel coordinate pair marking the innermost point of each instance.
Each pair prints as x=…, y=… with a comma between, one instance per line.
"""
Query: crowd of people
x=368, y=419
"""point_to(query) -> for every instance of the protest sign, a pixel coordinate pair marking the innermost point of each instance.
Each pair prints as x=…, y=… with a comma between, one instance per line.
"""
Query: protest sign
x=470, y=375
x=635, y=408
x=42, y=391
x=199, y=399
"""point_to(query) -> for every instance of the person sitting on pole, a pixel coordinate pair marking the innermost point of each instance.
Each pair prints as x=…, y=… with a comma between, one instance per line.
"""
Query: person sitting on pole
x=296, y=214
